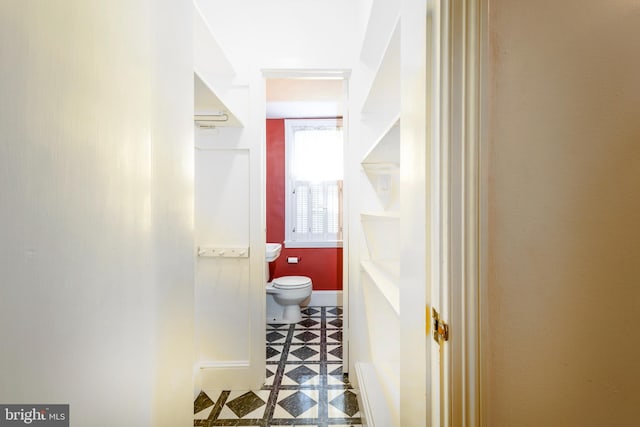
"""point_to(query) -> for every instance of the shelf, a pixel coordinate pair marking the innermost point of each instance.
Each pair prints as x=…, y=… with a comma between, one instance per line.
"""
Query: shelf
x=386, y=284
x=383, y=18
x=383, y=97
x=380, y=216
x=381, y=168
x=216, y=93
x=386, y=149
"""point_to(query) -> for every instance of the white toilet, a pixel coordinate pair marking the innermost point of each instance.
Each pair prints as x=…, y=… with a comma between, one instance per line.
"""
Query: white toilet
x=284, y=294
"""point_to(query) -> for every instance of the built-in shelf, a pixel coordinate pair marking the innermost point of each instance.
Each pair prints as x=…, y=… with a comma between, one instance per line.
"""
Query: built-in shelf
x=382, y=168
x=383, y=97
x=386, y=284
x=381, y=215
x=379, y=378
x=386, y=148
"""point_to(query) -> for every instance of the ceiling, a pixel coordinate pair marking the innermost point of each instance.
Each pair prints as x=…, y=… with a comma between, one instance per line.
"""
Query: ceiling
x=304, y=98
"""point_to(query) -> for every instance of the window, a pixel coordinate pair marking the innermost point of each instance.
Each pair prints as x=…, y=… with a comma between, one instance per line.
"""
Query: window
x=314, y=153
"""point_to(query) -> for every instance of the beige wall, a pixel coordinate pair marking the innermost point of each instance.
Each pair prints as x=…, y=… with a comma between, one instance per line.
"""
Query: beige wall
x=563, y=283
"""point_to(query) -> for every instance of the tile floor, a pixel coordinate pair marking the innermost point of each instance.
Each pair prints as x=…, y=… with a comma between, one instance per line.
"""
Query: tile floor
x=305, y=385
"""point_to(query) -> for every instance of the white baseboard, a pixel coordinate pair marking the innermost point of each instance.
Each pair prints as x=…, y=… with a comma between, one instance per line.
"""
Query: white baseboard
x=371, y=399
x=228, y=375
x=324, y=299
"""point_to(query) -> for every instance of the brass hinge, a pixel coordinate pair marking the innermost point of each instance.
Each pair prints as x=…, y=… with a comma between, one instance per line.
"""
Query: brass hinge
x=440, y=328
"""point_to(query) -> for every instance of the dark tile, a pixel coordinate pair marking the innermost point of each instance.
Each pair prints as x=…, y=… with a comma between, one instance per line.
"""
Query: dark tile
x=336, y=323
x=337, y=352
x=335, y=311
x=337, y=336
x=301, y=374
x=274, y=336
x=336, y=372
x=307, y=336
x=346, y=402
x=308, y=323
x=269, y=373
x=202, y=402
x=309, y=311
x=272, y=352
x=277, y=325
x=242, y=405
x=297, y=403
x=304, y=352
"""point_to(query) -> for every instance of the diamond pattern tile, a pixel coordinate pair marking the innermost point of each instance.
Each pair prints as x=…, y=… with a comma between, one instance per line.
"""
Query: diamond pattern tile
x=297, y=403
x=310, y=311
x=335, y=323
x=245, y=404
x=275, y=336
x=335, y=311
x=203, y=401
x=309, y=323
x=307, y=336
x=346, y=402
x=272, y=352
x=336, y=336
x=304, y=352
x=301, y=374
x=304, y=380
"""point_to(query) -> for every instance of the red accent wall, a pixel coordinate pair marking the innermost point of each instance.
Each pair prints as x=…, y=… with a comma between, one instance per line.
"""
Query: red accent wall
x=322, y=265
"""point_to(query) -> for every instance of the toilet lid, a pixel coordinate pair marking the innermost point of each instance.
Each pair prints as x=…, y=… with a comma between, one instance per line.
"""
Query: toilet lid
x=291, y=282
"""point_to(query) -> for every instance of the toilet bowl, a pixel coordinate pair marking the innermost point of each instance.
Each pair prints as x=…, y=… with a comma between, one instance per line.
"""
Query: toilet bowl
x=284, y=295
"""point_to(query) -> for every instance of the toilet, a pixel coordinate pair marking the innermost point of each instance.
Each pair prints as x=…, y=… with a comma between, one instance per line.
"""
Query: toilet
x=284, y=294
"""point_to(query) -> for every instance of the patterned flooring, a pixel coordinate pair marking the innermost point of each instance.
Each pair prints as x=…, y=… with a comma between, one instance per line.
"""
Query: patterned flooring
x=305, y=385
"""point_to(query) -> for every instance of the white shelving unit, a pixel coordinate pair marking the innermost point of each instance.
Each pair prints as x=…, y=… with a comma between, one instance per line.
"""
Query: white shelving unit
x=379, y=373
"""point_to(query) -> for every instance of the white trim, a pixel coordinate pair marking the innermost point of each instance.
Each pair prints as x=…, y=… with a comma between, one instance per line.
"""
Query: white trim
x=331, y=244
x=319, y=74
x=466, y=40
x=373, y=405
x=482, y=188
x=228, y=364
x=325, y=298
x=229, y=375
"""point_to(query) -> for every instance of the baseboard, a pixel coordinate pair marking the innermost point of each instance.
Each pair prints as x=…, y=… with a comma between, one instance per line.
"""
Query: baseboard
x=324, y=299
x=228, y=375
x=371, y=400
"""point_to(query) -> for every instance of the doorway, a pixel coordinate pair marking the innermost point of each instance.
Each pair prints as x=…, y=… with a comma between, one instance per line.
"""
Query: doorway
x=306, y=190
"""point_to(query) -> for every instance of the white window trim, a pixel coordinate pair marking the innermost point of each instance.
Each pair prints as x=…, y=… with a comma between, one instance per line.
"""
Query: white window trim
x=290, y=125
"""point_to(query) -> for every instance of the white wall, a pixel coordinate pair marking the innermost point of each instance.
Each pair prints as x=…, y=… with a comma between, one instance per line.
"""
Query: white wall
x=229, y=291
x=563, y=301
x=96, y=169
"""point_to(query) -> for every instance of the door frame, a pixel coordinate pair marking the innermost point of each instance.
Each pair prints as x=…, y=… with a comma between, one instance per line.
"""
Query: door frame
x=463, y=44
x=344, y=75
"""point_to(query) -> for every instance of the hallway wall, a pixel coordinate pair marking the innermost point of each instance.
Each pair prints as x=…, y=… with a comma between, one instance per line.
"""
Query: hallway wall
x=96, y=240
x=563, y=157
x=323, y=265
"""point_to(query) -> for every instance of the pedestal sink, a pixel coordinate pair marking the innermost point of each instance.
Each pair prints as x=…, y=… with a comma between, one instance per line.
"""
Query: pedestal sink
x=273, y=251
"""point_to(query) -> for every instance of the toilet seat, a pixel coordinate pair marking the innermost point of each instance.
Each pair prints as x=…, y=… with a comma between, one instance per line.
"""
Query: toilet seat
x=291, y=282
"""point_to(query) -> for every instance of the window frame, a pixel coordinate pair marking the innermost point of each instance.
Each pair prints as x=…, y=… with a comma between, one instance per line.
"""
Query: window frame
x=290, y=128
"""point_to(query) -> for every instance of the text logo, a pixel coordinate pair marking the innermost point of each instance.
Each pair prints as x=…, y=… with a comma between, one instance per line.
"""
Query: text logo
x=34, y=415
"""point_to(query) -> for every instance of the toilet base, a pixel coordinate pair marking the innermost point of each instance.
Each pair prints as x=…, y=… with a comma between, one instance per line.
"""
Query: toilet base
x=277, y=313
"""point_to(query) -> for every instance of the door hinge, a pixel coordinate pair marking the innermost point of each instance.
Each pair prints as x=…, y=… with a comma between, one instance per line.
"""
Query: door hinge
x=440, y=328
